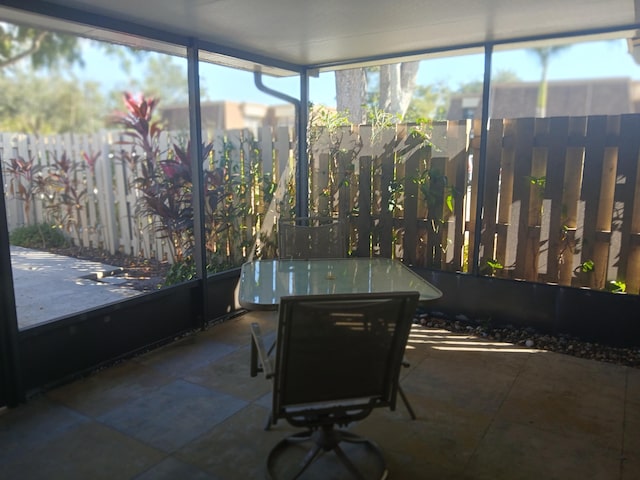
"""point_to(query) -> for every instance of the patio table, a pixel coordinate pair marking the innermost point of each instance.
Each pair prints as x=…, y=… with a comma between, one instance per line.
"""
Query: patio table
x=263, y=282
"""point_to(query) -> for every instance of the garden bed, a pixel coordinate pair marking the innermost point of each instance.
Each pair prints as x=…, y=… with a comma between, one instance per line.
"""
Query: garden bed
x=141, y=274
x=530, y=338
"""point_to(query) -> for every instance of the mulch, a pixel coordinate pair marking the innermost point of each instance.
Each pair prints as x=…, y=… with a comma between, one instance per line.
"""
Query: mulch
x=141, y=274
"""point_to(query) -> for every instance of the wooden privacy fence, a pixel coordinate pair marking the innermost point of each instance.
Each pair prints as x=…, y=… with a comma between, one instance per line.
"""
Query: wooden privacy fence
x=561, y=203
x=563, y=199
x=106, y=202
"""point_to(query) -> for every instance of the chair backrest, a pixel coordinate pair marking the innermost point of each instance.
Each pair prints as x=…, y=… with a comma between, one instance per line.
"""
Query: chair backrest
x=312, y=237
x=340, y=352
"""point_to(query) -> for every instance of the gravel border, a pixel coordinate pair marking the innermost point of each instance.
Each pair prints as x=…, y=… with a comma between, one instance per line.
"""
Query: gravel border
x=529, y=338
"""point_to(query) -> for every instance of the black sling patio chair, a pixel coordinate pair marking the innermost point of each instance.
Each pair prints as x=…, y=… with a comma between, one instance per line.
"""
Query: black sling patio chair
x=304, y=238
x=337, y=358
x=312, y=237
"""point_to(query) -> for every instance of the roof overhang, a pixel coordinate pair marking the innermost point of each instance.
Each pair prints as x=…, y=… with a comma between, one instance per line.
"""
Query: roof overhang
x=284, y=36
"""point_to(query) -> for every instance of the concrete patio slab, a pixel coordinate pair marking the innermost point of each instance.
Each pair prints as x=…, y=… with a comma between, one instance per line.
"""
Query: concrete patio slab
x=49, y=286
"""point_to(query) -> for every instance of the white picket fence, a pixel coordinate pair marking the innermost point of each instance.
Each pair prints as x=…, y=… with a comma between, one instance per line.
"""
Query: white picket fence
x=107, y=218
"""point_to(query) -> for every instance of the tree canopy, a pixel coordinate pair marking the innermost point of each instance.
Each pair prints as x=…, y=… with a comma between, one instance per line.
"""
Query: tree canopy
x=44, y=49
x=45, y=104
x=41, y=94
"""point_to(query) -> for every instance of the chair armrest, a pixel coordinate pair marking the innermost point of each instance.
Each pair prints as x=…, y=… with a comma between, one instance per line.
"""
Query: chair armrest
x=258, y=352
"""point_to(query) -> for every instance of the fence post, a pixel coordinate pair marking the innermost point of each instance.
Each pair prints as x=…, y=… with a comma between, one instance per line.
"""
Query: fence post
x=491, y=192
x=599, y=180
x=525, y=129
x=364, y=223
x=106, y=181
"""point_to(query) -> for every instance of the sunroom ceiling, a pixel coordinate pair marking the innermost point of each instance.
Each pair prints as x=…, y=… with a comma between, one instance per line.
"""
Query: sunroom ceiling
x=332, y=32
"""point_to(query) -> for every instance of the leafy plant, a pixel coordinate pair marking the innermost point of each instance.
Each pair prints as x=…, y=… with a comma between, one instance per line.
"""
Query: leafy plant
x=616, y=286
x=26, y=181
x=161, y=177
x=163, y=182
x=433, y=184
x=65, y=193
x=185, y=269
x=60, y=187
x=40, y=236
x=331, y=130
x=586, y=266
x=539, y=182
x=490, y=266
x=180, y=272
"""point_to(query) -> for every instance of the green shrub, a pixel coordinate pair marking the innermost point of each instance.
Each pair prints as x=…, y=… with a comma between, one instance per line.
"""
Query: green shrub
x=186, y=269
x=38, y=236
x=180, y=272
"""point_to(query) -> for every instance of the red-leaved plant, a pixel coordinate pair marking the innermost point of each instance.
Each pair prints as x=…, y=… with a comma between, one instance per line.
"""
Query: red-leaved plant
x=162, y=177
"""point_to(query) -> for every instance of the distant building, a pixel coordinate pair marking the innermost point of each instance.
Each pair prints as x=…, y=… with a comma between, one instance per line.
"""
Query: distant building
x=608, y=96
x=227, y=115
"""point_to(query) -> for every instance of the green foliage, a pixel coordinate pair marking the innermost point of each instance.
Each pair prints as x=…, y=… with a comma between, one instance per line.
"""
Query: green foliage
x=26, y=181
x=45, y=49
x=185, y=269
x=61, y=188
x=586, y=266
x=323, y=119
x=331, y=127
x=428, y=101
x=164, y=77
x=38, y=236
x=65, y=192
x=616, y=286
x=49, y=104
x=164, y=186
x=539, y=182
x=180, y=272
x=433, y=184
x=490, y=266
x=163, y=177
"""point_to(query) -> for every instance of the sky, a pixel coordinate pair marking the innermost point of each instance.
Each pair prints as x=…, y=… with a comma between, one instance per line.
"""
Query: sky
x=595, y=59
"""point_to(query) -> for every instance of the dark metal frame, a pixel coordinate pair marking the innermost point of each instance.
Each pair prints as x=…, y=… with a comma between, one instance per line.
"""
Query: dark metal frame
x=10, y=378
x=31, y=359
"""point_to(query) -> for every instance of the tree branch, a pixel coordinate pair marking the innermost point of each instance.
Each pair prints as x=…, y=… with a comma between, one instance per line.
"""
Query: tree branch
x=36, y=44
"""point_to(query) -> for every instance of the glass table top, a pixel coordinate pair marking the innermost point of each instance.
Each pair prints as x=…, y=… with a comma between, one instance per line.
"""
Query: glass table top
x=263, y=282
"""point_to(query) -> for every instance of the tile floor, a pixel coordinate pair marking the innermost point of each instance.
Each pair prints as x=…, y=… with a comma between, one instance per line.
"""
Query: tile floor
x=190, y=411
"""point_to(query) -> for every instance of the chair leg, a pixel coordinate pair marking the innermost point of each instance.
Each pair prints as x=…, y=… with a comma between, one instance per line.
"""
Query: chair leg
x=348, y=463
x=309, y=458
x=267, y=427
x=326, y=439
x=406, y=403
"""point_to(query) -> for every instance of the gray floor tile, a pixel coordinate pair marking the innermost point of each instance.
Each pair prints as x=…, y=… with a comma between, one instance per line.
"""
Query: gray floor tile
x=109, y=388
x=513, y=451
x=223, y=376
x=173, y=469
x=173, y=415
x=583, y=398
x=187, y=354
x=237, y=447
x=88, y=451
x=33, y=425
